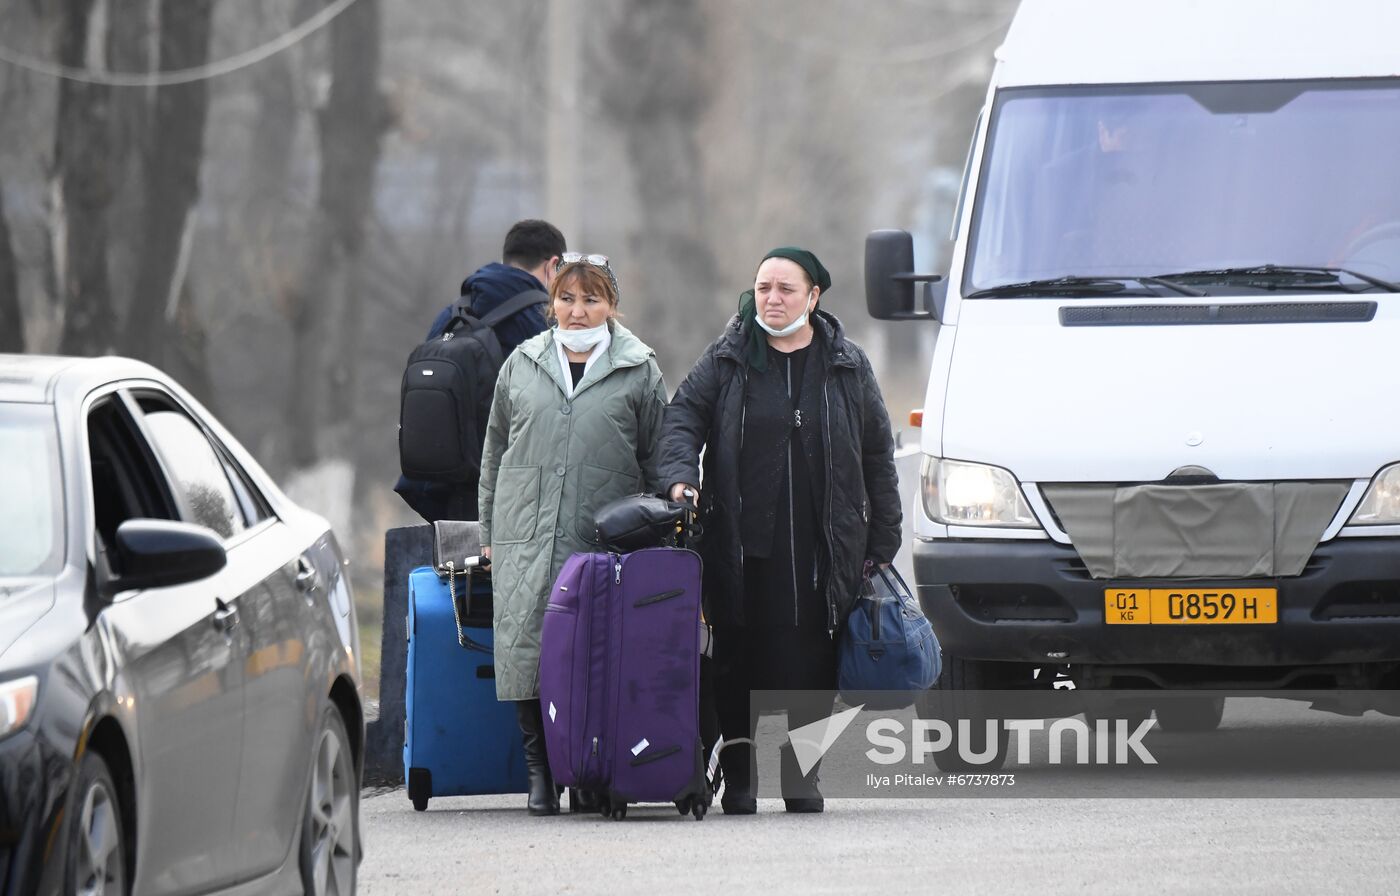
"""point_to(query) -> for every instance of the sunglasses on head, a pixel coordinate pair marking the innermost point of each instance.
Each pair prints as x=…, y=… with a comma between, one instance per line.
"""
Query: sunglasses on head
x=598, y=261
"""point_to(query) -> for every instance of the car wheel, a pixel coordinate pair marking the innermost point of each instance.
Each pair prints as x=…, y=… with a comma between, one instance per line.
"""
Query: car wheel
x=953, y=698
x=1190, y=714
x=331, y=823
x=96, y=840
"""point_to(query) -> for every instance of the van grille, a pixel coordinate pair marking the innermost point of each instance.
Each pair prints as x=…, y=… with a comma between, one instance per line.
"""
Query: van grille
x=1012, y=603
x=1360, y=600
x=1237, y=313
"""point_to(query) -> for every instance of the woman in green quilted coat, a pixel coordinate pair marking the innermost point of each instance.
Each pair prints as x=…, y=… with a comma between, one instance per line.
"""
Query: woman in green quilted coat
x=574, y=424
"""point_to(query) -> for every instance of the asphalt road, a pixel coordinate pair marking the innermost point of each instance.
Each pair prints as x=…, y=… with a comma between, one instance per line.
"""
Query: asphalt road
x=489, y=845
x=1034, y=843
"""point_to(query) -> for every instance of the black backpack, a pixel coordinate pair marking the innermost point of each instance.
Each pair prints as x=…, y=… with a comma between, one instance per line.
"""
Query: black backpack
x=446, y=394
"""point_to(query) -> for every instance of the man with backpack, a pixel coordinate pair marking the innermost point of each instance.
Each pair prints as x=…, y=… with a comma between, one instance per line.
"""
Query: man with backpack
x=440, y=471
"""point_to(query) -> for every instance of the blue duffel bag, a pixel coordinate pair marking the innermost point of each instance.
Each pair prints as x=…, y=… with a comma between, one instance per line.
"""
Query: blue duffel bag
x=888, y=649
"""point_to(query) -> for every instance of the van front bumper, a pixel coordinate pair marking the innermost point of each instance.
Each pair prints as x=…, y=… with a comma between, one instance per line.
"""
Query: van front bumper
x=1034, y=602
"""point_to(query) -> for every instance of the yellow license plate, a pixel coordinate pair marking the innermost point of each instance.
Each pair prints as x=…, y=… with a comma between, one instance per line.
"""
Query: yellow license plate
x=1190, y=606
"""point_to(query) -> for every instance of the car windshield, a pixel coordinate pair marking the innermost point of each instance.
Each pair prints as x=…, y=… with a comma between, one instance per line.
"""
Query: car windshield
x=1095, y=182
x=31, y=495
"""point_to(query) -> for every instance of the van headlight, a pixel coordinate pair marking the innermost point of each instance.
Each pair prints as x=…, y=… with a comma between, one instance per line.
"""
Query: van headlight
x=17, y=703
x=958, y=493
x=1380, y=506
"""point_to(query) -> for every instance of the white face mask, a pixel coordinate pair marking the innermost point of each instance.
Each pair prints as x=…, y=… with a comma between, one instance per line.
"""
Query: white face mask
x=581, y=340
x=791, y=328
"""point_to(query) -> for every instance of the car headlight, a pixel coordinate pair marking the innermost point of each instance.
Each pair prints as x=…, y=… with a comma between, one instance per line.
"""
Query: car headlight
x=958, y=493
x=17, y=703
x=1380, y=506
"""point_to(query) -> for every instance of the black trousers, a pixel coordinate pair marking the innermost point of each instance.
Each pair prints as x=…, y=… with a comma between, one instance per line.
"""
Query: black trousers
x=800, y=662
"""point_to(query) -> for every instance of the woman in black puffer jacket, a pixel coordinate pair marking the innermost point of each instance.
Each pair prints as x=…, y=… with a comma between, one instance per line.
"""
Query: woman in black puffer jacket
x=799, y=492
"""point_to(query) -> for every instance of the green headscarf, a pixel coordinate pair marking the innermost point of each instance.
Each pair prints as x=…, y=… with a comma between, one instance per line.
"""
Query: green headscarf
x=756, y=339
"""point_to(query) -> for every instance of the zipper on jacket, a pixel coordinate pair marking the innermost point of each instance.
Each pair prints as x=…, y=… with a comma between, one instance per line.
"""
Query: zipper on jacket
x=617, y=569
x=743, y=415
x=792, y=512
x=830, y=536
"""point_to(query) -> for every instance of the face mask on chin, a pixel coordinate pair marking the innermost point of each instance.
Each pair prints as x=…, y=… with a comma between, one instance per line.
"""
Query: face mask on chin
x=581, y=340
x=791, y=328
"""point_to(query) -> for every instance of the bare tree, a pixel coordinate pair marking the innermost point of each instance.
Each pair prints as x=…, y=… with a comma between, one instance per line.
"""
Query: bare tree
x=131, y=36
x=11, y=320
x=330, y=296
x=655, y=90
x=162, y=325
x=81, y=191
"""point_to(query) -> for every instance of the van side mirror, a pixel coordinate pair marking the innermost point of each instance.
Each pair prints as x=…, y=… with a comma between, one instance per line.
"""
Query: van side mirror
x=890, y=279
x=161, y=553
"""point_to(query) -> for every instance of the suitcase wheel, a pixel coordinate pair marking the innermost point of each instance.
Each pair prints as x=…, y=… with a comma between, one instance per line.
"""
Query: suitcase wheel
x=619, y=813
x=420, y=787
x=698, y=810
x=683, y=806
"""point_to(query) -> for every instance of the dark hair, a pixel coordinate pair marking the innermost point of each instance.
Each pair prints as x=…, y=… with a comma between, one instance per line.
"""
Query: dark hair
x=587, y=277
x=531, y=242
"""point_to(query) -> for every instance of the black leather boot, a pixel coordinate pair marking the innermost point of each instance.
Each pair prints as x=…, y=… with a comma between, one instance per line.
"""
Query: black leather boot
x=740, y=779
x=544, y=797
x=800, y=793
x=581, y=800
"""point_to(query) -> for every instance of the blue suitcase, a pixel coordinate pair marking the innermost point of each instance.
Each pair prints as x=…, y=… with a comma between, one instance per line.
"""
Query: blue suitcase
x=458, y=739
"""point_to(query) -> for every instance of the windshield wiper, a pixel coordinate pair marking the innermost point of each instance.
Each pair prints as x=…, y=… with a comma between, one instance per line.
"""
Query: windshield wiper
x=1276, y=276
x=1072, y=285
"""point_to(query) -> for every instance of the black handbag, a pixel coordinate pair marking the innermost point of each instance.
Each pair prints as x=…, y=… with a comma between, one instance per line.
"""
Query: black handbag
x=644, y=521
x=457, y=555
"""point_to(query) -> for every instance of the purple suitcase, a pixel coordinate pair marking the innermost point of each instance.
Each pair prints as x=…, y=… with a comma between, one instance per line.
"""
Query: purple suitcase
x=619, y=679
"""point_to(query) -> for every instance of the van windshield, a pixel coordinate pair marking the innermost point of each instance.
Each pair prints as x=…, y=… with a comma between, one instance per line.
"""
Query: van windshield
x=31, y=497
x=1095, y=182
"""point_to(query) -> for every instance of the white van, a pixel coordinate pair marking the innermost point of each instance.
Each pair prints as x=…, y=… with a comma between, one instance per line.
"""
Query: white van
x=1161, y=436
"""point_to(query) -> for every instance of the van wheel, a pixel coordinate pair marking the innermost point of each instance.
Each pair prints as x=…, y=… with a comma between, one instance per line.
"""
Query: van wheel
x=1190, y=714
x=330, y=828
x=96, y=840
x=953, y=698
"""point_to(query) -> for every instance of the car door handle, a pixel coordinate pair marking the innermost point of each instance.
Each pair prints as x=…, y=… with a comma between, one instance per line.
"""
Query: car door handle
x=307, y=578
x=225, y=617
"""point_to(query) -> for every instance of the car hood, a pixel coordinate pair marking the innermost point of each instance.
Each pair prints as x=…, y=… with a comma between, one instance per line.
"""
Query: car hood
x=1056, y=403
x=23, y=602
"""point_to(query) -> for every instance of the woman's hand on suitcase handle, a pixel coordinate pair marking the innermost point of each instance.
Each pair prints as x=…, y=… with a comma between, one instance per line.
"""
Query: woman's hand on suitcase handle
x=683, y=493
x=486, y=554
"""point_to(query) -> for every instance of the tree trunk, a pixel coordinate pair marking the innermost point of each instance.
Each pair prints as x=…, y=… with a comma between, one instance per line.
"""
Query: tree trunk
x=174, y=152
x=82, y=192
x=327, y=306
x=131, y=47
x=656, y=91
x=11, y=320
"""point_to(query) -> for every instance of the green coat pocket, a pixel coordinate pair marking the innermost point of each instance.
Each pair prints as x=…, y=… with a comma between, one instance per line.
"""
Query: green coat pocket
x=517, y=507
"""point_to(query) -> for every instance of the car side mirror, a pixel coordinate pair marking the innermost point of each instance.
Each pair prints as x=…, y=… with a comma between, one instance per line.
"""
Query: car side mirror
x=890, y=279
x=161, y=553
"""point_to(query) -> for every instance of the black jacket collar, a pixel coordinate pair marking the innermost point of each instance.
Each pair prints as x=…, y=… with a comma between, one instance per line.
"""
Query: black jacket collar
x=731, y=343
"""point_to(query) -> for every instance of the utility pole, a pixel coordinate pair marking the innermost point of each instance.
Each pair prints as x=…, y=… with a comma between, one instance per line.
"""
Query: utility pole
x=562, y=130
